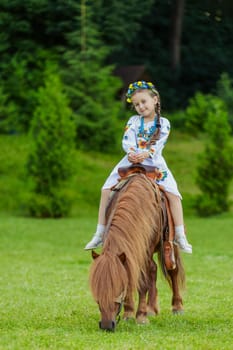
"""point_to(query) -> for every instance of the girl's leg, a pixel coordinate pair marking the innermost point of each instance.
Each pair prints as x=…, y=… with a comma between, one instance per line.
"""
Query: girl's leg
x=103, y=204
x=177, y=215
x=96, y=240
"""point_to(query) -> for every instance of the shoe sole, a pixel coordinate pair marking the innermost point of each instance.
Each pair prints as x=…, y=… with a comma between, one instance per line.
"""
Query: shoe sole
x=93, y=247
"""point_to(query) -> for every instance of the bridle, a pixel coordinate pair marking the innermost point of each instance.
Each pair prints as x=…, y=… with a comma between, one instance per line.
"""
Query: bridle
x=120, y=300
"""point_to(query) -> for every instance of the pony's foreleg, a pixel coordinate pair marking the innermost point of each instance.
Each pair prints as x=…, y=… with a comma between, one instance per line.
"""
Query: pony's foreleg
x=177, y=302
x=141, y=315
x=152, y=300
x=129, y=312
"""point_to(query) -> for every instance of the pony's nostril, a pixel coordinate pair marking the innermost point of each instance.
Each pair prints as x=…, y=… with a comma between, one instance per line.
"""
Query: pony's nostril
x=108, y=326
x=112, y=327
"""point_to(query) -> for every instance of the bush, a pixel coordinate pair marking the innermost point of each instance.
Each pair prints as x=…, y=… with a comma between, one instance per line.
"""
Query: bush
x=215, y=170
x=200, y=105
x=50, y=160
x=225, y=91
x=8, y=114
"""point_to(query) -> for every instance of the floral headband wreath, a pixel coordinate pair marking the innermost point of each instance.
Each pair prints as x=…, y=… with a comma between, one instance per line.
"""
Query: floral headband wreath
x=139, y=85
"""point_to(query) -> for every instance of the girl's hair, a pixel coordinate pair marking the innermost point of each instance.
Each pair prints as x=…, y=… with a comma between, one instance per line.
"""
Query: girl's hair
x=142, y=85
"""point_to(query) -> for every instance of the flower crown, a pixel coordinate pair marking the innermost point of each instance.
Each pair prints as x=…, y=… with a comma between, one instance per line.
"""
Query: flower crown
x=139, y=85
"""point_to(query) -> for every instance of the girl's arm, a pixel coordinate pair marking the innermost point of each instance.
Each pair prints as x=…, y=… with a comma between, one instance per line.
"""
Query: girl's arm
x=129, y=141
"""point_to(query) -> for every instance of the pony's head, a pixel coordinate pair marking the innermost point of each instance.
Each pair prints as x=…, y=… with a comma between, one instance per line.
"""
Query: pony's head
x=108, y=281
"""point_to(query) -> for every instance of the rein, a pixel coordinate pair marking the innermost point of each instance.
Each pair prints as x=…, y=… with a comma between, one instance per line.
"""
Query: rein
x=120, y=301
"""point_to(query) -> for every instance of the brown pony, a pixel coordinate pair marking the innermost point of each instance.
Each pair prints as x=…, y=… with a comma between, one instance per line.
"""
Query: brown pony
x=134, y=233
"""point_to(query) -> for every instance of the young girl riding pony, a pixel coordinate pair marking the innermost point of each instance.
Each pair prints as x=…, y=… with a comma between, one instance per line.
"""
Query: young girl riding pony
x=146, y=101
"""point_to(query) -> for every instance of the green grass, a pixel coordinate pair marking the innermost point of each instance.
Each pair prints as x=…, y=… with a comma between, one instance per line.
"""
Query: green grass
x=45, y=300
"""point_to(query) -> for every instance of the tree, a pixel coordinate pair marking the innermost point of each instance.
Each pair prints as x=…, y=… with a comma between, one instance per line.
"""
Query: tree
x=30, y=32
x=224, y=90
x=50, y=163
x=215, y=169
x=119, y=23
x=91, y=86
x=177, y=25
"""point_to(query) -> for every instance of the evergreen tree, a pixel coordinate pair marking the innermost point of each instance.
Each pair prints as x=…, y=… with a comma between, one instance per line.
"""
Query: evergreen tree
x=91, y=86
x=215, y=170
x=225, y=91
x=22, y=77
x=30, y=32
x=50, y=160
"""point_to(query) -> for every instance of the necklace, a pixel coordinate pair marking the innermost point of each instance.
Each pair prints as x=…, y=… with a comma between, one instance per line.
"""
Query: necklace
x=144, y=133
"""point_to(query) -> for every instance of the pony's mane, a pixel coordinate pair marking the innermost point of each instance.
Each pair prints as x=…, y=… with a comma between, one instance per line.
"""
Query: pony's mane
x=135, y=218
x=106, y=270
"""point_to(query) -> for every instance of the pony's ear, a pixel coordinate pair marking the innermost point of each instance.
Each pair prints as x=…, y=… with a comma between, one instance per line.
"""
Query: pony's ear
x=94, y=254
x=122, y=258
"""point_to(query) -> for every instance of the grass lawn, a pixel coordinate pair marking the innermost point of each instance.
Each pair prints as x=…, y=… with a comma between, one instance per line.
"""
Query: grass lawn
x=45, y=302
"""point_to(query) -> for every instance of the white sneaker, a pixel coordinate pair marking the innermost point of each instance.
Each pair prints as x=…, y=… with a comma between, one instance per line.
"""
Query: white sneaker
x=94, y=243
x=183, y=245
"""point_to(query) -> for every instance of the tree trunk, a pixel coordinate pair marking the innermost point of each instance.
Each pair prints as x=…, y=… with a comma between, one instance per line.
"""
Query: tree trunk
x=177, y=23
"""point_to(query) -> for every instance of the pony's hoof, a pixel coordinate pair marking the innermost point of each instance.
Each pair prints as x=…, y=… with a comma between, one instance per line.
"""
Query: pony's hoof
x=142, y=320
x=152, y=312
x=178, y=312
x=128, y=317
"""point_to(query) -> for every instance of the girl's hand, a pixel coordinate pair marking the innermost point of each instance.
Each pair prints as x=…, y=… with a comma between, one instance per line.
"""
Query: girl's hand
x=142, y=156
x=138, y=158
x=132, y=158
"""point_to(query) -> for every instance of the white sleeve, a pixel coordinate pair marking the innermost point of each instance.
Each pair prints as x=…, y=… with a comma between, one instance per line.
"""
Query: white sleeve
x=129, y=141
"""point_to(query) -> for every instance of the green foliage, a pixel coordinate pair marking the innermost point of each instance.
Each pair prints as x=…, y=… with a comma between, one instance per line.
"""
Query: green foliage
x=120, y=23
x=22, y=77
x=29, y=31
x=92, y=89
x=129, y=30
x=29, y=24
x=215, y=169
x=200, y=105
x=50, y=160
x=225, y=91
x=8, y=113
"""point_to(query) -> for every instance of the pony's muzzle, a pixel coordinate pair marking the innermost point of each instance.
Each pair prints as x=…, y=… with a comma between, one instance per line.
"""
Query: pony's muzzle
x=107, y=325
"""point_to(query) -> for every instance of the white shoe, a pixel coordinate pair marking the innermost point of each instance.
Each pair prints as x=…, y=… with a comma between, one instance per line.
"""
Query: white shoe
x=94, y=243
x=183, y=244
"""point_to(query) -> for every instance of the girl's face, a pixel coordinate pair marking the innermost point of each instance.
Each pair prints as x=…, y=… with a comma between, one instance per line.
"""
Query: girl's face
x=144, y=103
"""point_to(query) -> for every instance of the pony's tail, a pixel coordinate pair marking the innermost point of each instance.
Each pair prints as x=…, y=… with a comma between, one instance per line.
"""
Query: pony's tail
x=178, y=272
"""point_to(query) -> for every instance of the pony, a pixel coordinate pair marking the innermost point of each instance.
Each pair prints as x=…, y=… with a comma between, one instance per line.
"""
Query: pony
x=134, y=232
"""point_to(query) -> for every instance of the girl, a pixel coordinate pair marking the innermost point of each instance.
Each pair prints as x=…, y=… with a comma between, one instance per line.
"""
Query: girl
x=139, y=129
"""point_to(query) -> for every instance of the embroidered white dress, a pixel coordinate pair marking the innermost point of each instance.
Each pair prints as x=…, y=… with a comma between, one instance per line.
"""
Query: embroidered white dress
x=134, y=140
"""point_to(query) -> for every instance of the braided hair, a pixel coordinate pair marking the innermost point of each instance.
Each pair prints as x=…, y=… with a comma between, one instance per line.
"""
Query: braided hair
x=156, y=136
